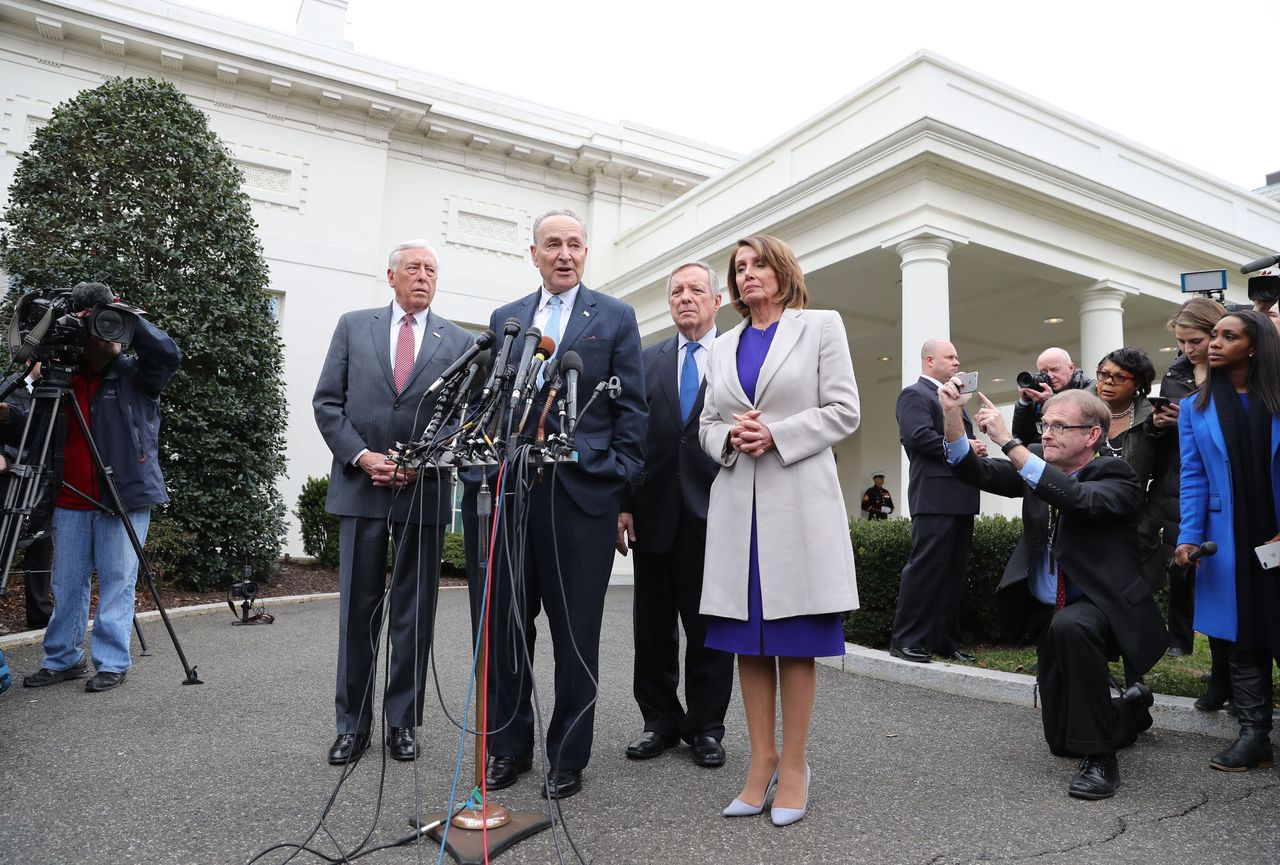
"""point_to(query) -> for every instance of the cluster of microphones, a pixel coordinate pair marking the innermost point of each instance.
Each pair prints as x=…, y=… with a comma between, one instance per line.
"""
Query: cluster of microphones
x=485, y=400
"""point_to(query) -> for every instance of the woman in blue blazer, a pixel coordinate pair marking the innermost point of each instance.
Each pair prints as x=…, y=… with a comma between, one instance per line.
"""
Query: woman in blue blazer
x=1229, y=437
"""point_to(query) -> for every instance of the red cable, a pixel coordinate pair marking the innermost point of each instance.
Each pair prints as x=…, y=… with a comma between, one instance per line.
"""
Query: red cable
x=484, y=697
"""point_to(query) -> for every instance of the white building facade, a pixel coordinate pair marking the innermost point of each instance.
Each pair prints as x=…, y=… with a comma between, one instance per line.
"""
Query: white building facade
x=930, y=202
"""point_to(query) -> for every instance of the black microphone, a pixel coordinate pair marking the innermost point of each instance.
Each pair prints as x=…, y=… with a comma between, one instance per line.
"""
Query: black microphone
x=532, y=339
x=87, y=295
x=510, y=329
x=570, y=369
x=1259, y=264
x=483, y=342
x=546, y=348
x=1208, y=548
x=475, y=370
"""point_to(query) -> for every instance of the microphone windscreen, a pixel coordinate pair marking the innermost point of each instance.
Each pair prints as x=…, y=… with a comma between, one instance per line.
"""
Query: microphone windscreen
x=87, y=295
x=570, y=362
x=485, y=339
x=546, y=347
x=511, y=327
x=1208, y=548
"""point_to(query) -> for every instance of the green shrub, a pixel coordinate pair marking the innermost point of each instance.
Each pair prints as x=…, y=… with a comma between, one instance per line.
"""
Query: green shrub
x=166, y=544
x=881, y=549
x=454, y=554
x=319, y=527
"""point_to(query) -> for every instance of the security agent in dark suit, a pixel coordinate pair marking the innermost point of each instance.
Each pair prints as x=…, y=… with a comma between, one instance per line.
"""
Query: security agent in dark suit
x=1078, y=565
x=927, y=619
x=665, y=520
x=572, y=518
x=370, y=396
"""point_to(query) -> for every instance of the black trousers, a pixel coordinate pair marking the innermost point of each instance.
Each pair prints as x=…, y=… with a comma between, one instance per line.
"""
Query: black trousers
x=565, y=570
x=409, y=610
x=1080, y=714
x=1182, y=608
x=37, y=559
x=933, y=582
x=669, y=588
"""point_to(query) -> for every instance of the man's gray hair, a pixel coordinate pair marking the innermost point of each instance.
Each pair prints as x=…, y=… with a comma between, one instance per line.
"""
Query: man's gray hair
x=711, y=275
x=1093, y=411
x=558, y=212
x=394, y=258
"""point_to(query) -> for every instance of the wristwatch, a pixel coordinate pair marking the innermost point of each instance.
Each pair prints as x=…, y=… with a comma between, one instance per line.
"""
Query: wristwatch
x=1010, y=445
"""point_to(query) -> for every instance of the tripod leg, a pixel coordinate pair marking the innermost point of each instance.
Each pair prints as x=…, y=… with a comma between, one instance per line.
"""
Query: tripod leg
x=142, y=641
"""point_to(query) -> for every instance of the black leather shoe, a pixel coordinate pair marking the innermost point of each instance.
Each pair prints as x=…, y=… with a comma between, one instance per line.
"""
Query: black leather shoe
x=347, y=748
x=105, y=681
x=562, y=783
x=402, y=744
x=958, y=655
x=707, y=752
x=1251, y=750
x=1097, y=777
x=911, y=653
x=1138, y=695
x=648, y=745
x=44, y=676
x=505, y=771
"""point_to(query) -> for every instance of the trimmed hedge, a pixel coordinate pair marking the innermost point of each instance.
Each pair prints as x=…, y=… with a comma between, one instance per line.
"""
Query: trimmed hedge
x=881, y=549
x=320, y=531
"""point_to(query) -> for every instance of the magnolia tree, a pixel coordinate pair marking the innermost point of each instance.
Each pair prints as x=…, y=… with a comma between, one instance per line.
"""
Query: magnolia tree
x=127, y=185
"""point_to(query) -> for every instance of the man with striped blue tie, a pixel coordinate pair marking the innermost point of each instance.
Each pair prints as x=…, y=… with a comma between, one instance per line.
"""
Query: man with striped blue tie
x=665, y=521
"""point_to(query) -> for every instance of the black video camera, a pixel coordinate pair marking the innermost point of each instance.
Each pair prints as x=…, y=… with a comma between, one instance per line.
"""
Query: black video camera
x=47, y=326
x=1265, y=288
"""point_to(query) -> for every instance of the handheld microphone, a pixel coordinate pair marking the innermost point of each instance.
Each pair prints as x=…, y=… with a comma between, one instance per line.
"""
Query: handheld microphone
x=532, y=343
x=570, y=369
x=1259, y=264
x=552, y=374
x=87, y=295
x=474, y=371
x=510, y=329
x=546, y=348
x=1208, y=548
x=483, y=342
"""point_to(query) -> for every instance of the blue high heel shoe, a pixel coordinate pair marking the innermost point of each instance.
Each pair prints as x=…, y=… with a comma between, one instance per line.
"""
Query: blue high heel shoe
x=787, y=816
x=738, y=808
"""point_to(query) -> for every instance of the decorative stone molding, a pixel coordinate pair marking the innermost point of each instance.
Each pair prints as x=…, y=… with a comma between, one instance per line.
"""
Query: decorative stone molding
x=492, y=227
x=269, y=177
x=281, y=87
x=330, y=100
x=50, y=29
x=112, y=46
x=171, y=60
x=228, y=74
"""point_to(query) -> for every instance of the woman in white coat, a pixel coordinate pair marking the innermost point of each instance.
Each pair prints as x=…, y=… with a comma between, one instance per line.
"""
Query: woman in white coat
x=779, y=563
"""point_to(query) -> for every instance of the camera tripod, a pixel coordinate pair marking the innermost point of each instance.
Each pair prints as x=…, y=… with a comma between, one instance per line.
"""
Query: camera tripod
x=29, y=477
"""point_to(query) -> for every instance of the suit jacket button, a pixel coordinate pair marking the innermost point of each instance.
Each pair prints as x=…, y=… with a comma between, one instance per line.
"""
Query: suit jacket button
x=395, y=406
x=684, y=439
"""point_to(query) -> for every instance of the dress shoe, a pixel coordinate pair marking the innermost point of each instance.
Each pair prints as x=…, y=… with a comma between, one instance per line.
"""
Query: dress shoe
x=707, y=751
x=1139, y=699
x=562, y=783
x=505, y=771
x=347, y=748
x=44, y=676
x=738, y=808
x=105, y=681
x=787, y=816
x=958, y=655
x=1252, y=750
x=1097, y=777
x=1215, y=698
x=911, y=653
x=648, y=745
x=402, y=744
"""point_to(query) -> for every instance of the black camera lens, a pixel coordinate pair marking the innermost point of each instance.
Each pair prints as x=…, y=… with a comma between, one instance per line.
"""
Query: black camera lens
x=1026, y=379
x=110, y=325
x=1265, y=287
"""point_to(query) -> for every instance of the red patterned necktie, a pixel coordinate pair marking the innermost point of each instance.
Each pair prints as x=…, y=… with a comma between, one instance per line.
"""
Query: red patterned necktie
x=1062, y=590
x=404, y=353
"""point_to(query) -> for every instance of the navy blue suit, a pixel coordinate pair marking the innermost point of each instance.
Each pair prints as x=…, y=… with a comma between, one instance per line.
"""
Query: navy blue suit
x=669, y=507
x=570, y=527
x=942, y=509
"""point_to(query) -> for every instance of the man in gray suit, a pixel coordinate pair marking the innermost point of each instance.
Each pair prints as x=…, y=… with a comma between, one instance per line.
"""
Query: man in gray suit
x=372, y=394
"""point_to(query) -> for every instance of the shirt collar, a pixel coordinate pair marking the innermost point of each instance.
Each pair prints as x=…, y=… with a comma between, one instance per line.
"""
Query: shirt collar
x=707, y=339
x=397, y=313
x=933, y=381
x=566, y=297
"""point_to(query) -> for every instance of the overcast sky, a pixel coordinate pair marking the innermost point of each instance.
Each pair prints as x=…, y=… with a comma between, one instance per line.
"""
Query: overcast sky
x=1194, y=80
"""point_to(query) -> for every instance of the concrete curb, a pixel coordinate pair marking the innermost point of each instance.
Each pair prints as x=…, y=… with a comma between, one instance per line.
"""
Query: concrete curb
x=1178, y=714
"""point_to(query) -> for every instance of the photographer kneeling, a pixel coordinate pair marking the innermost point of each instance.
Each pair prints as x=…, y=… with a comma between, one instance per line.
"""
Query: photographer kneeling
x=120, y=398
x=1077, y=563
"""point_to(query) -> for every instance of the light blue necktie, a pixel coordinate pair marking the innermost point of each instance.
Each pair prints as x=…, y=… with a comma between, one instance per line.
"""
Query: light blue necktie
x=553, y=331
x=689, y=381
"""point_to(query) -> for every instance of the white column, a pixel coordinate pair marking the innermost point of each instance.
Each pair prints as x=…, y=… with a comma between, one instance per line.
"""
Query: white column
x=1101, y=324
x=926, y=313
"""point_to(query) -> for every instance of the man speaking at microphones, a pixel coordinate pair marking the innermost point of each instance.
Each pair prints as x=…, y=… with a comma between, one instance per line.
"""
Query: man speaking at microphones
x=373, y=393
x=572, y=516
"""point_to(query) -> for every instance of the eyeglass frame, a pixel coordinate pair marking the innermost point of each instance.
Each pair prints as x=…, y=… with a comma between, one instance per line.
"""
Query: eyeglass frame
x=1042, y=427
x=1116, y=377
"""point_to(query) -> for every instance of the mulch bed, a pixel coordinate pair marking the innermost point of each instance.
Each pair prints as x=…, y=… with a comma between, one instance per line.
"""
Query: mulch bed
x=295, y=578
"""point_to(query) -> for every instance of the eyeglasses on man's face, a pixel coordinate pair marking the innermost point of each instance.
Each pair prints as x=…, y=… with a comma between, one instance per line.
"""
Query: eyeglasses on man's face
x=1059, y=428
x=1114, y=377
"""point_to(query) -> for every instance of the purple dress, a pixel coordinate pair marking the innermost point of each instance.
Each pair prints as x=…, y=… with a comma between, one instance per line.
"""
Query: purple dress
x=816, y=636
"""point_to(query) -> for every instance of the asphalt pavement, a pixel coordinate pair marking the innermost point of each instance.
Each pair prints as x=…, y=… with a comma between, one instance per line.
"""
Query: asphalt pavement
x=160, y=772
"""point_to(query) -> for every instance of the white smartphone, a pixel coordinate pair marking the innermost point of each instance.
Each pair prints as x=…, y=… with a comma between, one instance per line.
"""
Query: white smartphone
x=968, y=382
x=1269, y=555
